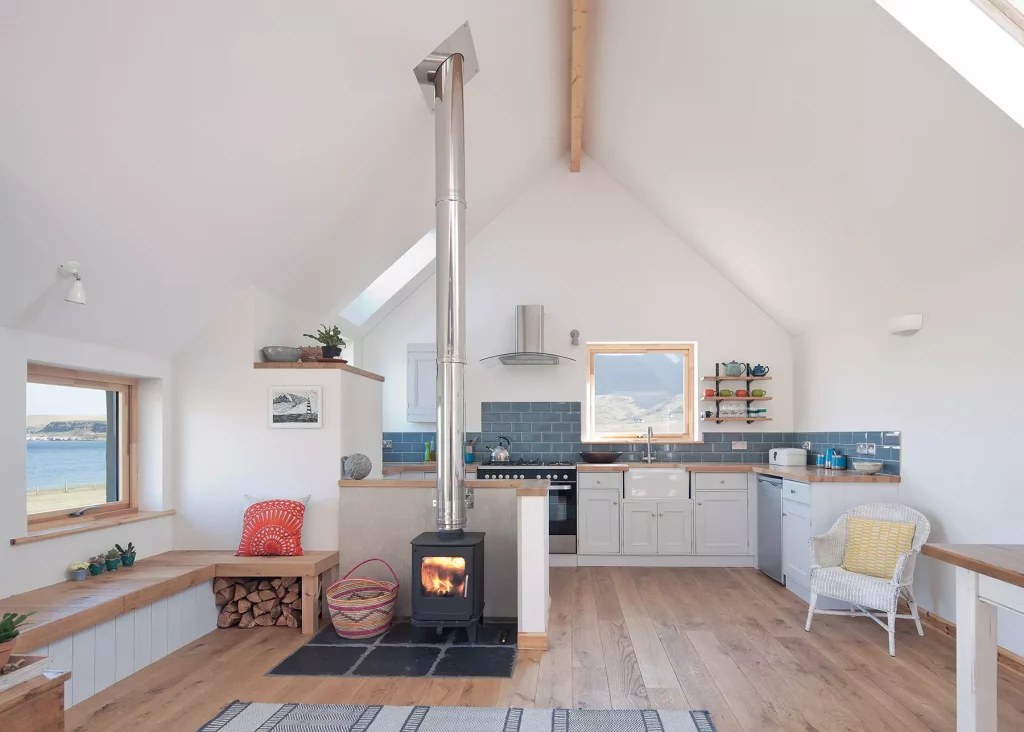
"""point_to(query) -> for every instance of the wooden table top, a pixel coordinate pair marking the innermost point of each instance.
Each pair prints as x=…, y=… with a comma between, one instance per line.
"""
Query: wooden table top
x=27, y=690
x=1001, y=561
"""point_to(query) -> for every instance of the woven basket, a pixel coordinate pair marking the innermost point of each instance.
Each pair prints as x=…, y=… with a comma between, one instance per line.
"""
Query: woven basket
x=362, y=608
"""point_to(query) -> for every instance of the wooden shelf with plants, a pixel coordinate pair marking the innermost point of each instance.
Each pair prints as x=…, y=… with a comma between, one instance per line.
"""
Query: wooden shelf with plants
x=748, y=377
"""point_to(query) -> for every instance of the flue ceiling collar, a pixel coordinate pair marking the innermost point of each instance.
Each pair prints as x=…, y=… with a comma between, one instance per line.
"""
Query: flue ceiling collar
x=461, y=41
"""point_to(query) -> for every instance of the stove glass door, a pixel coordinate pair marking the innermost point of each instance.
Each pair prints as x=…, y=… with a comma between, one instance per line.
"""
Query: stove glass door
x=562, y=509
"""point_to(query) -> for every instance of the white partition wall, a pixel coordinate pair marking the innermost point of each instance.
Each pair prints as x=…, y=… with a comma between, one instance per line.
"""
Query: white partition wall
x=107, y=653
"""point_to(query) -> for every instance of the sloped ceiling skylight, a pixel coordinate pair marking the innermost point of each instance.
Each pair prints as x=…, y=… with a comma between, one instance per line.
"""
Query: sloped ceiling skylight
x=394, y=278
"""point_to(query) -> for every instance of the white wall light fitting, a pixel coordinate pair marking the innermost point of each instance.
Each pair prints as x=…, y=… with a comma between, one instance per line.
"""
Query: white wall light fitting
x=72, y=270
x=906, y=325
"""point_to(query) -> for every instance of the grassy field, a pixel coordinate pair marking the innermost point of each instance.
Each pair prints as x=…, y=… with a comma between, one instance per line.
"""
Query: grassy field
x=75, y=497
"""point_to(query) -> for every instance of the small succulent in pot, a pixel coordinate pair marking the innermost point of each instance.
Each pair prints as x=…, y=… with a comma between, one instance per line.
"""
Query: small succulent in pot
x=96, y=564
x=127, y=554
x=113, y=559
x=330, y=340
x=77, y=570
x=8, y=632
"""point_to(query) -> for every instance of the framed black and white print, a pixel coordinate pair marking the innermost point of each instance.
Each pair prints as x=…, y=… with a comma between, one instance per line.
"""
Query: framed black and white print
x=296, y=407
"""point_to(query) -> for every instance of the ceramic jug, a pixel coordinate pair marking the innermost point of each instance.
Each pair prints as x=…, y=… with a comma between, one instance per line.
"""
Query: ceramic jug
x=734, y=368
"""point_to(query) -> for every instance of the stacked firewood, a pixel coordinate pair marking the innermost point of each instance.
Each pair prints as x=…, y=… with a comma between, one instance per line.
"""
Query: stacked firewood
x=248, y=602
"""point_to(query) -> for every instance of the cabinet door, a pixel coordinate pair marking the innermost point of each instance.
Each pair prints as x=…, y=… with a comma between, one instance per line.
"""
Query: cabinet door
x=421, y=386
x=598, y=522
x=796, y=550
x=639, y=527
x=675, y=527
x=721, y=522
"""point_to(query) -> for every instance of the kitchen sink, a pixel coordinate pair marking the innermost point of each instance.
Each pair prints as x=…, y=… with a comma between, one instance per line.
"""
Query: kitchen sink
x=657, y=483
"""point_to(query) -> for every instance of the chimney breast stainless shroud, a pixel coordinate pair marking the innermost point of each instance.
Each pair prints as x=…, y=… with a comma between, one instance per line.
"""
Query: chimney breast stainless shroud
x=445, y=72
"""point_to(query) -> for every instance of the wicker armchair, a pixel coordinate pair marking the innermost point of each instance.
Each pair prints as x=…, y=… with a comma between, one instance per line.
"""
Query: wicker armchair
x=829, y=579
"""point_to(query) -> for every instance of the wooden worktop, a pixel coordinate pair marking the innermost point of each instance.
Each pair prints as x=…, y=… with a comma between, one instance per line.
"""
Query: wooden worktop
x=522, y=487
x=1003, y=562
x=808, y=474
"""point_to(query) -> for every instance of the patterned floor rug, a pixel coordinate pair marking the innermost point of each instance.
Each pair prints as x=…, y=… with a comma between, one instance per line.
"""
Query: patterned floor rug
x=249, y=717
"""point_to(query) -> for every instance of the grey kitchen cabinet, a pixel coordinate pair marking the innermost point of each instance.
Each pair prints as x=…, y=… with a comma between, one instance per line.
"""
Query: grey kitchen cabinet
x=675, y=527
x=720, y=522
x=421, y=382
x=796, y=536
x=639, y=527
x=598, y=522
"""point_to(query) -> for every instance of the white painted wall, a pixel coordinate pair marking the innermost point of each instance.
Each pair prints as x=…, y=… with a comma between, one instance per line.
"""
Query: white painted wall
x=225, y=446
x=946, y=389
x=600, y=262
x=35, y=565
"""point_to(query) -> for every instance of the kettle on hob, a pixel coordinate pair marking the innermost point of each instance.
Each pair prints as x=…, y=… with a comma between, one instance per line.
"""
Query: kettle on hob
x=501, y=453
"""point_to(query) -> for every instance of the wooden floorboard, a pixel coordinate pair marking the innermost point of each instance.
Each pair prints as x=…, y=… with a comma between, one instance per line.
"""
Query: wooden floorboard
x=727, y=640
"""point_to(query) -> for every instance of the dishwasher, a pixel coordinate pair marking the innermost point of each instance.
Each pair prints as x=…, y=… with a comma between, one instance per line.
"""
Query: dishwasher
x=769, y=526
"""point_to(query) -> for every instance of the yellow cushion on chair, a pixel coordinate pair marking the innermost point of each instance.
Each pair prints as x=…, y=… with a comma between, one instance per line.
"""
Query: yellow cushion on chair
x=873, y=547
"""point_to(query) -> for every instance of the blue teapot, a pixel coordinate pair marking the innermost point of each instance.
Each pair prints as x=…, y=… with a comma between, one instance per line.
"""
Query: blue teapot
x=759, y=370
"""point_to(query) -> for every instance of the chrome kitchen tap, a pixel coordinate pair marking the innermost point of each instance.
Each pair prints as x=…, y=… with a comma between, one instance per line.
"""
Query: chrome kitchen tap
x=649, y=457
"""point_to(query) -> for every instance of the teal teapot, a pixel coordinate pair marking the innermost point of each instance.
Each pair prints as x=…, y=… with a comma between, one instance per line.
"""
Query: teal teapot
x=734, y=368
x=759, y=370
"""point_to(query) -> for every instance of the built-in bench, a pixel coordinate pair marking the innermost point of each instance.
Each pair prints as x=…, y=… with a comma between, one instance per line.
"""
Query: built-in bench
x=114, y=624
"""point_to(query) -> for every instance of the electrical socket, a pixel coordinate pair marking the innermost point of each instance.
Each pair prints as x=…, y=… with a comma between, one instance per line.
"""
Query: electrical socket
x=866, y=448
x=387, y=444
x=871, y=448
x=807, y=444
x=739, y=444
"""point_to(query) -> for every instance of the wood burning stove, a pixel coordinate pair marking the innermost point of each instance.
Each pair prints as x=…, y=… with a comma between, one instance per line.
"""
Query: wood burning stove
x=448, y=580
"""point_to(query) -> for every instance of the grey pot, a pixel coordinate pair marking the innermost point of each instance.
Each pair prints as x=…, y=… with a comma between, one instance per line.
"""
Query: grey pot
x=281, y=353
x=356, y=466
x=78, y=575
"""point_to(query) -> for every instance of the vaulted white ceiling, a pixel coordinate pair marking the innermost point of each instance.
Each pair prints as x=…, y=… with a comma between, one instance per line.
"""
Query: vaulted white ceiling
x=815, y=152
x=185, y=150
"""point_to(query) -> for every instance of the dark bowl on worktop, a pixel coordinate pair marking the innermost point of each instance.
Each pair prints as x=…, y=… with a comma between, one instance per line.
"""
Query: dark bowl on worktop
x=600, y=457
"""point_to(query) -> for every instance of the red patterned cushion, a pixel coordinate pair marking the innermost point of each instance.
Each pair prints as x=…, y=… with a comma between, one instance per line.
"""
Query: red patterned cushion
x=272, y=529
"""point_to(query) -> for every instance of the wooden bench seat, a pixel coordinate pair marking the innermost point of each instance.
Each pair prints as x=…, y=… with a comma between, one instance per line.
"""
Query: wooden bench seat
x=63, y=609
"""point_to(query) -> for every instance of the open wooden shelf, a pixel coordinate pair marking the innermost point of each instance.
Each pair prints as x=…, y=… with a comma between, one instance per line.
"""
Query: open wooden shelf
x=737, y=378
x=314, y=365
x=748, y=420
x=736, y=399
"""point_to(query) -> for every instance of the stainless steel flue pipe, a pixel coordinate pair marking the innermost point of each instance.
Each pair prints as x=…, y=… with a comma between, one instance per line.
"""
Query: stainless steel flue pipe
x=450, y=205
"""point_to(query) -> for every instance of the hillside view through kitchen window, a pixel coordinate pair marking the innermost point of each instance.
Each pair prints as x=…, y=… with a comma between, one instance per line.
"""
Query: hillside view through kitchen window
x=76, y=445
x=636, y=386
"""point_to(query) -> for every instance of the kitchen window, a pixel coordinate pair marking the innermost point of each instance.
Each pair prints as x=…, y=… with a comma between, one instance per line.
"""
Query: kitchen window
x=81, y=444
x=633, y=386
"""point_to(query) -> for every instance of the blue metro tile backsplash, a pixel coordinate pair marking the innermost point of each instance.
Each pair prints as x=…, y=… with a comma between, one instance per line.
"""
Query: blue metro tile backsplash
x=550, y=431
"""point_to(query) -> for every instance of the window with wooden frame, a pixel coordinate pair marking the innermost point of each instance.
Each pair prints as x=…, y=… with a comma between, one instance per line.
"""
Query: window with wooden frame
x=633, y=386
x=81, y=437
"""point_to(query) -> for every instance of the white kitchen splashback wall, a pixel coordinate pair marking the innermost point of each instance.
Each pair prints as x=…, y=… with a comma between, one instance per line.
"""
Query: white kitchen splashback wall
x=949, y=389
x=600, y=262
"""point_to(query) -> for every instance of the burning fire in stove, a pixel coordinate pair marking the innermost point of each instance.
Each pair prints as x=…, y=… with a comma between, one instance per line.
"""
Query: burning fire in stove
x=443, y=576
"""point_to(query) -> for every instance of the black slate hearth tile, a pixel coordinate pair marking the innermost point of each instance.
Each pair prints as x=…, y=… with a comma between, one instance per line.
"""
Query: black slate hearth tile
x=405, y=632
x=398, y=661
x=489, y=634
x=470, y=661
x=319, y=661
x=328, y=636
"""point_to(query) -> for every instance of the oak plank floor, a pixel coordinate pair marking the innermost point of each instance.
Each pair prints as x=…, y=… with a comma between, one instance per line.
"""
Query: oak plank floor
x=727, y=640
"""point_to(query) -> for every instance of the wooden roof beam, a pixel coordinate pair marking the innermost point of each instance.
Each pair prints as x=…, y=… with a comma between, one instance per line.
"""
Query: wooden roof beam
x=579, y=66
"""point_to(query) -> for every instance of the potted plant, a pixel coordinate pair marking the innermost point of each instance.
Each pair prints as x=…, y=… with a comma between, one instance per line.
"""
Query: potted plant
x=96, y=564
x=8, y=632
x=113, y=559
x=78, y=570
x=127, y=555
x=330, y=341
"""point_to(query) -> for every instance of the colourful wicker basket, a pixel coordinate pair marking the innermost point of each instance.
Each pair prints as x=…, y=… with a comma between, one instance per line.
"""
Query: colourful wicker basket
x=362, y=608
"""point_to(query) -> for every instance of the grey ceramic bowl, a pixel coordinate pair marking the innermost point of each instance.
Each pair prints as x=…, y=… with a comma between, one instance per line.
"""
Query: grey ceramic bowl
x=281, y=353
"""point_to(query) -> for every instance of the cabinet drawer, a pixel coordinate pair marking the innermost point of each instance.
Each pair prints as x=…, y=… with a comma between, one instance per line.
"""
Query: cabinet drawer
x=795, y=491
x=600, y=481
x=720, y=481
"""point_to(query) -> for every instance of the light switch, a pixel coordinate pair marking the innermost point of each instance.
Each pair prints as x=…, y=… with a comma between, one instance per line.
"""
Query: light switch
x=387, y=444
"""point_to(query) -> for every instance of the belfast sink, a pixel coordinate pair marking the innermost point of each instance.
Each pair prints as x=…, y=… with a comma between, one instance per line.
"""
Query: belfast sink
x=657, y=483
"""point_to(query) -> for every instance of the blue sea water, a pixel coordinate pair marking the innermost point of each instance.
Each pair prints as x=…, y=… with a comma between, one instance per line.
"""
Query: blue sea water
x=50, y=463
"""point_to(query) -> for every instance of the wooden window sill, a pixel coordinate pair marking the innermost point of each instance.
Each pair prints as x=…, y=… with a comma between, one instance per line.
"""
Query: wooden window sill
x=93, y=524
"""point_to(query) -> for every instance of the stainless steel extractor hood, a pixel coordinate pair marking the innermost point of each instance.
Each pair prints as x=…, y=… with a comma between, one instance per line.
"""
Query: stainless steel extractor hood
x=529, y=340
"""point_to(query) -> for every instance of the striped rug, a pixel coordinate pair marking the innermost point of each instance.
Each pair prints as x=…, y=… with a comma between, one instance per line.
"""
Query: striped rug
x=249, y=717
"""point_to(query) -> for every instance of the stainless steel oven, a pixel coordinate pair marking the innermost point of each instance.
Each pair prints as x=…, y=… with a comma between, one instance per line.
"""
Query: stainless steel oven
x=561, y=498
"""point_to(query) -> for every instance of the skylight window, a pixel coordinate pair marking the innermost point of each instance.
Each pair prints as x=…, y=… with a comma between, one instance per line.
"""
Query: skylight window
x=394, y=278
